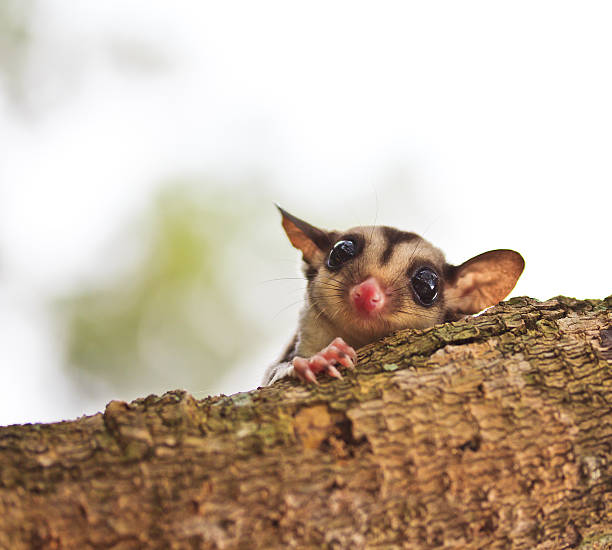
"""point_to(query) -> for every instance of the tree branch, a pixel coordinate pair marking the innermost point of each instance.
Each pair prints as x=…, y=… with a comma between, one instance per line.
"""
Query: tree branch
x=490, y=432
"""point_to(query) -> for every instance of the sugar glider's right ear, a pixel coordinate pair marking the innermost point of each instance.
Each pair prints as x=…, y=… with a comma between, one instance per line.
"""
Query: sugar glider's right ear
x=305, y=237
x=482, y=281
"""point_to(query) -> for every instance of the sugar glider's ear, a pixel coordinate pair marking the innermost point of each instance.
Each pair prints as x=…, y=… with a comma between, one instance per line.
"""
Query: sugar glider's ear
x=482, y=281
x=305, y=237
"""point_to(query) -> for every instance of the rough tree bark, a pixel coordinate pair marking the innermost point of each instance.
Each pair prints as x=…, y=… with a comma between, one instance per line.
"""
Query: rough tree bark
x=490, y=432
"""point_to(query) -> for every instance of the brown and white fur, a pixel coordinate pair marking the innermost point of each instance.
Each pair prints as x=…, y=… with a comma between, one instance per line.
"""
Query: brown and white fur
x=374, y=292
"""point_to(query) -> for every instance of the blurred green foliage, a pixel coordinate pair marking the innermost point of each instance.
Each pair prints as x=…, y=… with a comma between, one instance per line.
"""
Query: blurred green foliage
x=175, y=316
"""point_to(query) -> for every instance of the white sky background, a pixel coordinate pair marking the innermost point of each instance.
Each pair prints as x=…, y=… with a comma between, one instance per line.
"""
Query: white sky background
x=497, y=116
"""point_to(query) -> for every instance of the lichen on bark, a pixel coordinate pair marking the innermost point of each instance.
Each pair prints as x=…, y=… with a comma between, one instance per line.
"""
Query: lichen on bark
x=490, y=432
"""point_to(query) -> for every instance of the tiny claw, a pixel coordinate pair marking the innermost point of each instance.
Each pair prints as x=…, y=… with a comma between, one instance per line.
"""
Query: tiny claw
x=345, y=360
x=336, y=354
x=333, y=371
x=302, y=370
x=344, y=347
x=310, y=377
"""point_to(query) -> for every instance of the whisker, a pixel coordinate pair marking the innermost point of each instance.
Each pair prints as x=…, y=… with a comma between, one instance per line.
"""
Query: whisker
x=376, y=214
x=283, y=279
x=331, y=285
x=287, y=307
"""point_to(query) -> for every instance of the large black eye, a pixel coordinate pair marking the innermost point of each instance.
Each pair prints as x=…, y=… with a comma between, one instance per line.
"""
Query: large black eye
x=426, y=283
x=340, y=253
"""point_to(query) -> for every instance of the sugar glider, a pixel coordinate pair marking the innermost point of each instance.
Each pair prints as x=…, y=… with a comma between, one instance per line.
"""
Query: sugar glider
x=367, y=282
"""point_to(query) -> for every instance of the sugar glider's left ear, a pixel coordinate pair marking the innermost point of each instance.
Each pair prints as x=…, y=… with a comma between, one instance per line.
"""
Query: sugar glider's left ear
x=482, y=281
x=310, y=240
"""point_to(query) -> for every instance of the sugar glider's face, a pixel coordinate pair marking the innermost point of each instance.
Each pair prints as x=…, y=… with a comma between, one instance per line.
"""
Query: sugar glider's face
x=373, y=280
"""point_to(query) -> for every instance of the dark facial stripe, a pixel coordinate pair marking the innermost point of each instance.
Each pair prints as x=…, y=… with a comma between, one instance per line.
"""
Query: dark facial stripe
x=450, y=273
x=311, y=272
x=394, y=237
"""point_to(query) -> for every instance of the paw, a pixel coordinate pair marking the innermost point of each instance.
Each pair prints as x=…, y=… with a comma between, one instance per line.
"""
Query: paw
x=337, y=353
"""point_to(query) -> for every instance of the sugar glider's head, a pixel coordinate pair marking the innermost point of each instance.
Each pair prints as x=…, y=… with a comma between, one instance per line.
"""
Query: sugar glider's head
x=373, y=280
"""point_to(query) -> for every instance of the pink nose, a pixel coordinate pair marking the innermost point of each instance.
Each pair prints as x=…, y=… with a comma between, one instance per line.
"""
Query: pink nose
x=367, y=296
